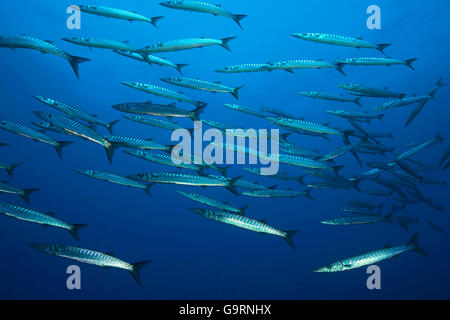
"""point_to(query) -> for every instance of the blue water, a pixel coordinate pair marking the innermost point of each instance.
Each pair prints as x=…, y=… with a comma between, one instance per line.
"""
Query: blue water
x=193, y=257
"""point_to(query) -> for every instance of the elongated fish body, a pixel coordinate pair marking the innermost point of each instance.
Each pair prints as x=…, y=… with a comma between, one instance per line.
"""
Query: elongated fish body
x=162, y=92
x=204, y=7
x=279, y=113
x=445, y=156
x=331, y=185
x=34, y=216
x=26, y=42
x=355, y=115
x=75, y=112
x=114, y=178
x=340, y=40
x=151, y=59
x=379, y=192
x=136, y=143
x=154, y=122
x=100, y=43
x=376, y=62
x=277, y=193
x=161, y=158
x=73, y=127
x=247, y=67
x=168, y=111
x=328, y=96
x=354, y=219
x=218, y=125
x=287, y=147
x=91, y=257
x=326, y=175
x=245, y=223
x=370, y=91
x=306, y=162
x=244, y=109
x=364, y=204
x=305, y=125
x=290, y=65
x=420, y=147
x=185, y=44
x=402, y=102
x=212, y=202
x=117, y=13
x=361, y=211
x=9, y=168
x=279, y=175
x=47, y=126
x=339, y=151
x=25, y=194
x=21, y=130
x=373, y=257
x=243, y=184
x=202, y=85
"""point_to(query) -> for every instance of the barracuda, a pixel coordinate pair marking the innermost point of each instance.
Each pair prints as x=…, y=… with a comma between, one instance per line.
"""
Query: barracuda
x=162, y=110
x=129, y=142
x=280, y=175
x=203, y=85
x=154, y=122
x=26, y=42
x=244, y=109
x=100, y=43
x=306, y=126
x=185, y=44
x=375, y=62
x=117, y=14
x=77, y=113
x=204, y=7
x=34, y=135
x=378, y=192
x=291, y=65
x=329, y=96
x=163, y=92
x=240, y=221
x=355, y=115
x=401, y=102
x=47, y=126
x=91, y=257
x=278, y=193
x=364, y=204
x=9, y=168
x=247, y=67
x=75, y=128
x=334, y=185
x=243, y=184
x=151, y=60
x=355, y=219
x=113, y=178
x=445, y=156
x=370, y=91
x=307, y=162
x=341, y=40
x=187, y=179
x=340, y=151
x=212, y=202
x=279, y=113
x=24, y=194
x=164, y=159
x=30, y=215
x=373, y=257
x=420, y=147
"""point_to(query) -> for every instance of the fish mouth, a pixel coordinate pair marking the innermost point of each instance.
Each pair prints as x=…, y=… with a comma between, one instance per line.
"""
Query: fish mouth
x=320, y=270
x=38, y=113
x=164, y=4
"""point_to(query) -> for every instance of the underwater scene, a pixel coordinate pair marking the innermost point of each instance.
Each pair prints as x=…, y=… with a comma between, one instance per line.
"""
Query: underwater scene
x=185, y=150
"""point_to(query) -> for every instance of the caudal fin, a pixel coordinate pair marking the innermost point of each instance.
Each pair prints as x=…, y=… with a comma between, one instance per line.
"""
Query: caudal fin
x=59, y=147
x=308, y=194
x=110, y=125
x=26, y=194
x=414, y=243
x=338, y=67
x=439, y=138
x=288, y=238
x=11, y=168
x=337, y=169
x=147, y=190
x=75, y=61
x=74, y=230
x=154, y=20
x=237, y=18
x=136, y=267
x=180, y=66
x=195, y=115
x=224, y=42
x=357, y=101
x=300, y=179
x=242, y=210
x=231, y=184
x=235, y=93
x=109, y=153
x=382, y=46
x=409, y=62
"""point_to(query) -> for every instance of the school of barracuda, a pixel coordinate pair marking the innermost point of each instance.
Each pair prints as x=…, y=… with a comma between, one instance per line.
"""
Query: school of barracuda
x=398, y=177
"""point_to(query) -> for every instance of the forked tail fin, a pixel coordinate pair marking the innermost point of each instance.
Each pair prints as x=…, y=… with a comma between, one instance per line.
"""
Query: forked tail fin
x=180, y=66
x=59, y=147
x=235, y=93
x=110, y=125
x=74, y=230
x=224, y=42
x=154, y=20
x=231, y=185
x=382, y=46
x=237, y=18
x=409, y=62
x=288, y=238
x=26, y=194
x=136, y=267
x=11, y=168
x=75, y=61
x=414, y=243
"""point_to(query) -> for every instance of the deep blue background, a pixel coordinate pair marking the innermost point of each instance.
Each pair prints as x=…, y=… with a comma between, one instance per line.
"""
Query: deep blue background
x=193, y=257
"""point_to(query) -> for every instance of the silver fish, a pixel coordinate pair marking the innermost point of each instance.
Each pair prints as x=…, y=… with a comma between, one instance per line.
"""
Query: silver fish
x=117, y=13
